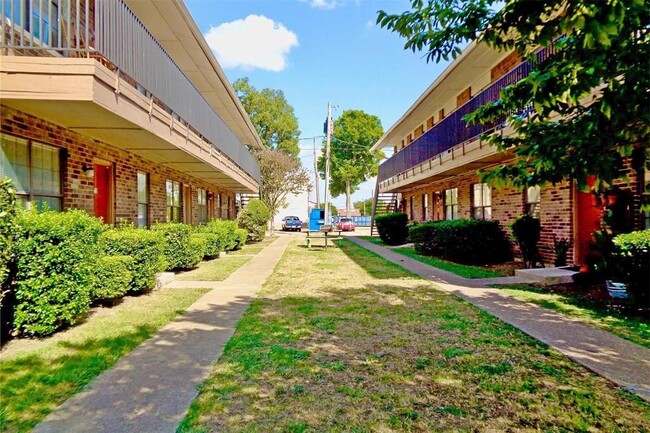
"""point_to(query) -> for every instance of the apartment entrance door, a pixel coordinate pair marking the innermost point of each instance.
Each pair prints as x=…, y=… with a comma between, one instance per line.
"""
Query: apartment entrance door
x=103, y=183
x=588, y=217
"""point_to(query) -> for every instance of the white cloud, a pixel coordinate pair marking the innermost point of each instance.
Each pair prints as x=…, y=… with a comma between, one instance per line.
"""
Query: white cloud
x=323, y=4
x=254, y=42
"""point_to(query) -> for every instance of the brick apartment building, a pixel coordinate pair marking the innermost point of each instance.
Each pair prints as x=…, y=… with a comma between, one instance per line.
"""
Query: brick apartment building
x=121, y=109
x=432, y=173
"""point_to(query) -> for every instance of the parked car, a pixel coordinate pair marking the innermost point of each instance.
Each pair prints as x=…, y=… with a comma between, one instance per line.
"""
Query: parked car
x=346, y=224
x=291, y=223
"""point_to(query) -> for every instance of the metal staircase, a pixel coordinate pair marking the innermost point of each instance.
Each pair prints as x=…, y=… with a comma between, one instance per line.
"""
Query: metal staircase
x=382, y=203
x=243, y=199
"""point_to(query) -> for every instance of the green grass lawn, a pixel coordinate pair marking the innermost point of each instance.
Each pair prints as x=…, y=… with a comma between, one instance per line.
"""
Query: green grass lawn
x=347, y=342
x=36, y=376
x=220, y=269
x=465, y=271
x=214, y=270
x=591, y=312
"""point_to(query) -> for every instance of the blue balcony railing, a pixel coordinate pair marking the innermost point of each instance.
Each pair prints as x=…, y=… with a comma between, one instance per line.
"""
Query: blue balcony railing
x=453, y=130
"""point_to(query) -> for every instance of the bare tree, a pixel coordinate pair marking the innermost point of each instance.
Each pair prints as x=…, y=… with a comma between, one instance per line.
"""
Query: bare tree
x=281, y=175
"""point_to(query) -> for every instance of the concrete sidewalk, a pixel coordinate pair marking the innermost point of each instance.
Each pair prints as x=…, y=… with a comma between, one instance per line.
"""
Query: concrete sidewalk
x=625, y=363
x=151, y=388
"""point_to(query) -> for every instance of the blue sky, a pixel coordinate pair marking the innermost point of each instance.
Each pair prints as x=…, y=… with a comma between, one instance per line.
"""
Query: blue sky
x=318, y=51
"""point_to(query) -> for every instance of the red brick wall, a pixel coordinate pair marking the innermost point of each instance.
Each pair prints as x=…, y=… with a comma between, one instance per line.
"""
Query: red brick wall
x=78, y=188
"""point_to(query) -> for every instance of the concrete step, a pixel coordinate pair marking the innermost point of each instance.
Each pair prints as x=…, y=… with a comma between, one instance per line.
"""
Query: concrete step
x=547, y=276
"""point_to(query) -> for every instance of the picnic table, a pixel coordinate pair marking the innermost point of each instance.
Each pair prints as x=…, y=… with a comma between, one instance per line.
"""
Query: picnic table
x=327, y=233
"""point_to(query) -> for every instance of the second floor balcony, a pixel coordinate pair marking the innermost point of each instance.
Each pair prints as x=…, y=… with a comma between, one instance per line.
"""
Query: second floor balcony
x=452, y=131
x=63, y=59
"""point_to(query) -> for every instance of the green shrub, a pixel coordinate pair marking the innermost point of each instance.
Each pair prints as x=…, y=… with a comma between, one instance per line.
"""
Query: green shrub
x=526, y=231
x=254, y=218
x=462, y=241
x=392, y=228
x=224, y=231
x=197, y=249
x=56, y=256
x=180, y=253
x=631, y=259
x=241, y=236
x=212, y=244
x=8, y=234
x=146, y=249
x=112, y=277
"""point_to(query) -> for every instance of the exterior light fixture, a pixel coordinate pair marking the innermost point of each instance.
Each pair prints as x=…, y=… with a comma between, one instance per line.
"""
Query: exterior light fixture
x=88, y=170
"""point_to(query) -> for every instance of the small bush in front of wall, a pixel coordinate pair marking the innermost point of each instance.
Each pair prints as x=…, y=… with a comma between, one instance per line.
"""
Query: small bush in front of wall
x=212, y=244
x=56, y=255
x=146, y=249
x=241, y=236
x=8, y=235
x=254, y=218
x=462, y=241
x=180, y=253
x=631, y=264
x=225, y=235
x=393, y=228
x=527, y=231
x=197, y=249
x=112, y=277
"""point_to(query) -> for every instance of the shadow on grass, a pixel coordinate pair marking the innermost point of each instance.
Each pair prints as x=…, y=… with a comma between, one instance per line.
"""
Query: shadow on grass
x=34, y=385
x=372, y=263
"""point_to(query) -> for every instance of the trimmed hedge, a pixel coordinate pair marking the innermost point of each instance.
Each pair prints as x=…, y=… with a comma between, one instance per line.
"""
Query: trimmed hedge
x=146, y=249
x=393, y=228
x=462, y=241
x=197, y=249
x=241, y=236
x=254, y=218
x=631, y=263
x=8, y=234
x=180, y=253
x=56, y=257
x=224, y=232
x=212, y=244
x=112, y=277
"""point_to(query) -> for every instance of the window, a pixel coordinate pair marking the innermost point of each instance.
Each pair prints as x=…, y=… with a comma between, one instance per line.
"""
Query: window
x=202, y=199
x=411, y=213
x=143, y=199
x=451, y=204
x=173, y=189
x=425, y=207
x=533, y=195
x=34, y=168
x=482, y=201
x=36, y=17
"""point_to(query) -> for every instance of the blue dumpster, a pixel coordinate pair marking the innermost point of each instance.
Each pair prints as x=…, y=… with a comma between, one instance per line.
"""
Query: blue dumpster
x=316, y=219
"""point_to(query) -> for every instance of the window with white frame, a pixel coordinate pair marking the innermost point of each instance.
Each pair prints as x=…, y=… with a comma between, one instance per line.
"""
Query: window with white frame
x=533, y=200
x=451, y=204
x=481, y=201
x=173, y=190
x=143, y=199
x=425, y=207
x=35, y=170
x=202, y=204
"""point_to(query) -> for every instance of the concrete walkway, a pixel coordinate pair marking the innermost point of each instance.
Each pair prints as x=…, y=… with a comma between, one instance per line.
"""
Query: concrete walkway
x=150, y=389
x=625, y=363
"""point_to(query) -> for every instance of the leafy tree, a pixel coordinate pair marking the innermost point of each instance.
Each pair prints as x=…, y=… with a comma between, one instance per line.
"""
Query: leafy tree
x=364, y=206
x=600, y=46
x=272, y=116
x=351, y=160
x=334, y=211
x=281, y=175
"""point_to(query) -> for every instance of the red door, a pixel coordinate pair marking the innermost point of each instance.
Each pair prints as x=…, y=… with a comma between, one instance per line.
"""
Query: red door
x=588, y=217
x=103, y=192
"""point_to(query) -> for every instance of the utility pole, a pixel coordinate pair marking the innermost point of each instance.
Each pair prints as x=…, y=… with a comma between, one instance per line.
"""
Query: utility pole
x=316, y=175
x=327, y=162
